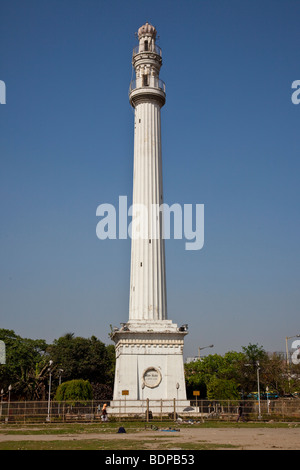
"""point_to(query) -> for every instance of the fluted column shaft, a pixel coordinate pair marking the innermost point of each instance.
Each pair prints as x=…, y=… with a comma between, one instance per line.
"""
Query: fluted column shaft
x=148, y=280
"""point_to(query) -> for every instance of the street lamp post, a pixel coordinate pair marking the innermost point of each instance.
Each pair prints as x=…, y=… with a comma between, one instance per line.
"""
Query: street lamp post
x=49, y=392
x=258, y=386
x=205, y=347
x=8, y=406
x=258, y=390
x=268, y=402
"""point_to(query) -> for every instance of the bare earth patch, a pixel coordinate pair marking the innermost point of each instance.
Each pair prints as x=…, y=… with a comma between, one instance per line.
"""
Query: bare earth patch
x=188, y=438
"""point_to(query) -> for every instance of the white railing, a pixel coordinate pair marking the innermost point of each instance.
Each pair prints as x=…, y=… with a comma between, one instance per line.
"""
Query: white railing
x=152, y=48
x=154, y=83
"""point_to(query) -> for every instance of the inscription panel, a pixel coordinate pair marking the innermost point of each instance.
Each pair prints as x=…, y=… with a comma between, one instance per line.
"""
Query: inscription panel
x=152, y=377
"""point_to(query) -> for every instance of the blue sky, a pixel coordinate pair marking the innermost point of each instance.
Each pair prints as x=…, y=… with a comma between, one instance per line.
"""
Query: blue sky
x=230, y=141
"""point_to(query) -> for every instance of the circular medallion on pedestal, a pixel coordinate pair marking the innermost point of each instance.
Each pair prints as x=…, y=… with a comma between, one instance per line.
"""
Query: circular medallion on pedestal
x=152, y=377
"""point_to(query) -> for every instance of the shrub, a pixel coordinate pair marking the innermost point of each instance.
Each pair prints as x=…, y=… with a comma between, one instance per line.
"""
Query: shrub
x=74, y=390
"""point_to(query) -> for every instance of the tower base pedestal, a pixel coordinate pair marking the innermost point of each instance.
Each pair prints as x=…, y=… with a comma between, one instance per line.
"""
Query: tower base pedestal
x=149, y=365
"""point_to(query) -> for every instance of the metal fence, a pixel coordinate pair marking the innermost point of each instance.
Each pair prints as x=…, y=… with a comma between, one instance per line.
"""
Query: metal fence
x=147, y=410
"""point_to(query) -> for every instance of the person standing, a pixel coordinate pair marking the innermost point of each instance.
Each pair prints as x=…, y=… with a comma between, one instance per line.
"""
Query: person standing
x=240, y=414
x=104, y=413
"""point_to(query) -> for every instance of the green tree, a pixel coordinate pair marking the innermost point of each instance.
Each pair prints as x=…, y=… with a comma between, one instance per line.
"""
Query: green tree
x=254, y=355
x=26, y=365
x=222, y=389
x=199, y=374
x=74, y=390
x=293, y=384
x=273, y=374
x=83, y=358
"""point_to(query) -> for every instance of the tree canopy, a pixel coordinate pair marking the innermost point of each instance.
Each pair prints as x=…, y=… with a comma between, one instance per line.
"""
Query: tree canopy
x=83, y=358
x=234, y=375
x=27, y=364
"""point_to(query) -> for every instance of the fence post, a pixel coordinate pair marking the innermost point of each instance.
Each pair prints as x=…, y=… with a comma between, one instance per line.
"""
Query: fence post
x=147, y=411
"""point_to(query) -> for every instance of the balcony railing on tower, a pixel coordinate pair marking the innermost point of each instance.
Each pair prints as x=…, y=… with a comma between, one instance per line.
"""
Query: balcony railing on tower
x=141, y=48
x=153, y=82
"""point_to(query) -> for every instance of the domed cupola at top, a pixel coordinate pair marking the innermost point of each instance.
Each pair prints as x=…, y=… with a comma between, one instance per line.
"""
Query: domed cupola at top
x=147, y=61
x=147, y=30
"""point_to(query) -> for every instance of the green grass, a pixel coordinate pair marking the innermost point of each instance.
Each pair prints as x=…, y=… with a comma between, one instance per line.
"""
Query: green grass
x=131, y=427
x=75, y=428
x=95, y=444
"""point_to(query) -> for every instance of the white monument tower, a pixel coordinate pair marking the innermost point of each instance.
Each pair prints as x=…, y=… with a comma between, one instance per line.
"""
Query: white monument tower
x=149, y=347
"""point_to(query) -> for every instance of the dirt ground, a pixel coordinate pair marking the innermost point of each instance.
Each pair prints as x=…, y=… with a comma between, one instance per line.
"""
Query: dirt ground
x=242, y=438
